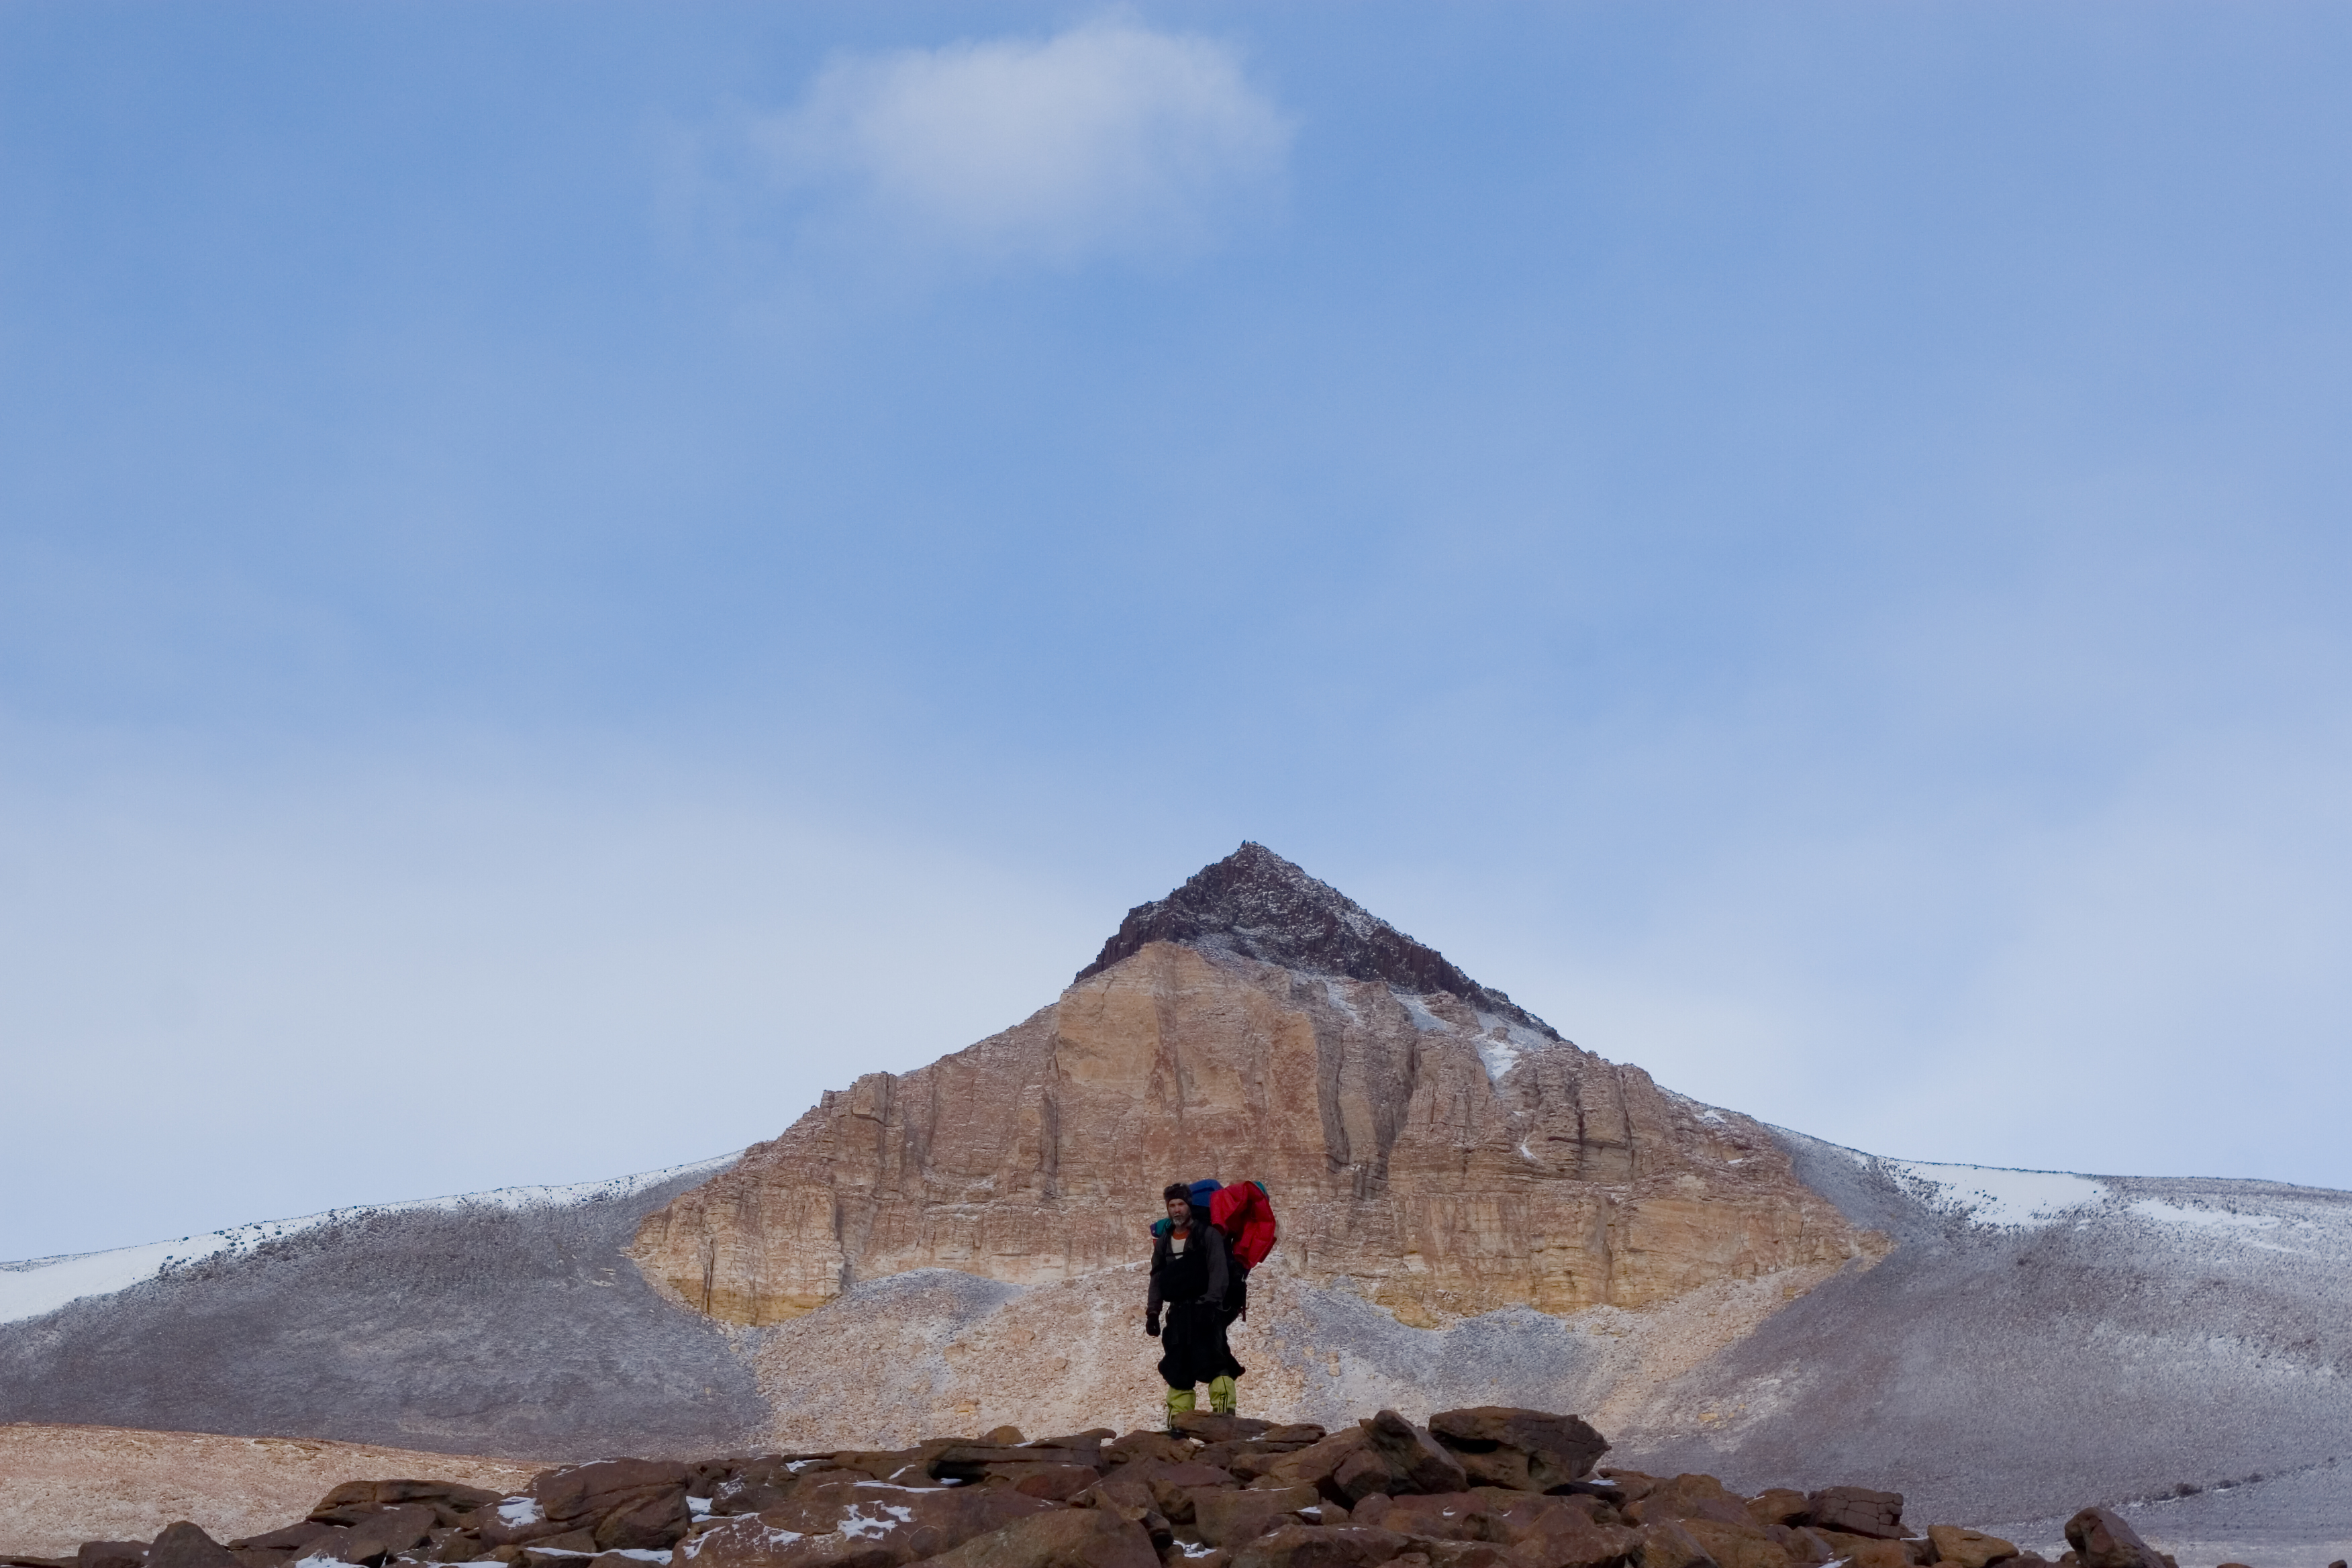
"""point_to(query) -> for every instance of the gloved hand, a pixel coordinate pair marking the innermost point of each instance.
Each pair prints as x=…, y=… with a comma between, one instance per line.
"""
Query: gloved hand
x=1152, y=1324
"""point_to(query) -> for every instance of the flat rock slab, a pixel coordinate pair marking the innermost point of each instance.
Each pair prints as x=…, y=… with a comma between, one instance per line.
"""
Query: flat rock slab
x=71, y=1484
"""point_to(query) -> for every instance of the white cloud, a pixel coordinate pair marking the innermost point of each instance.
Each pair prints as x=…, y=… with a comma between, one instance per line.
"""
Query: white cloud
x=1109, y=138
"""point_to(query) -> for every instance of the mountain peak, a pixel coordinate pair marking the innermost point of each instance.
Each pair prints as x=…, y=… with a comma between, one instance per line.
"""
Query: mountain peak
x=1258, y=905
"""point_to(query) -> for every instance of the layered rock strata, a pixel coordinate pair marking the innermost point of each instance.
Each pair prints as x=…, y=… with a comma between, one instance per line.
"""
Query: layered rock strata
x=1440, y=1152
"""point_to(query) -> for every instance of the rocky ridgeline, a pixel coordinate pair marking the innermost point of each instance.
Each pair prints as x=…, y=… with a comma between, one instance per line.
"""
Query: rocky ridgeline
x=1484, y=1488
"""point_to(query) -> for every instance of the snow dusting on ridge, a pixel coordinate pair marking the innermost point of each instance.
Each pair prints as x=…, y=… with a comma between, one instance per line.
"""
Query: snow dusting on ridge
x=40, y=1286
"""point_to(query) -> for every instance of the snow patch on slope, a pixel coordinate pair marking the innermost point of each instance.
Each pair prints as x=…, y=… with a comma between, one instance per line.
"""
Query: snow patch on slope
x=1503, y=1041
x=1998, y=1198
x=2173, y=1214
x=1500, y=1041
x=40, y=1286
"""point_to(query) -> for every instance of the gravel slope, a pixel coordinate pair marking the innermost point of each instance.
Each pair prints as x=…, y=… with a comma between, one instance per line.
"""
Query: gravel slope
x=469, y=1328
x=2001, y=1364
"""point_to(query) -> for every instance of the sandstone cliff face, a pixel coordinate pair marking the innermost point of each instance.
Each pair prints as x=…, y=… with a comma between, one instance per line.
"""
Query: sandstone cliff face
x=1441, y=1158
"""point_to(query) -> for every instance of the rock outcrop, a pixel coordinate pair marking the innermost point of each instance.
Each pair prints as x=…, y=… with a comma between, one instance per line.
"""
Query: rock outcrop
x=1218, y=1490
x=1428, y=1143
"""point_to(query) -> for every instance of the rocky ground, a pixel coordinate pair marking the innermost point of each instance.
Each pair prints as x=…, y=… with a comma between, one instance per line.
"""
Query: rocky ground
x=1488, y=1487
x=62, y=1485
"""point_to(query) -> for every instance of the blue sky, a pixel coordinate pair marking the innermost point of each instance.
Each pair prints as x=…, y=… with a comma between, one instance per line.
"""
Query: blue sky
x=573, y=575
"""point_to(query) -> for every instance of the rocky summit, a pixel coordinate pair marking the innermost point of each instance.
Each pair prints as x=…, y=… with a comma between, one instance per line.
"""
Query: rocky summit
x=1488, y=1487
x=1432, y=1146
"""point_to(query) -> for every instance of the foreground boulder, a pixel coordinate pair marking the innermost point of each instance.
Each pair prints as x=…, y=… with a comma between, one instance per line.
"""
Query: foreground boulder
x=1526, y=1450
x=2102, y=1540
x=1857, y=1510
x=184, y=1545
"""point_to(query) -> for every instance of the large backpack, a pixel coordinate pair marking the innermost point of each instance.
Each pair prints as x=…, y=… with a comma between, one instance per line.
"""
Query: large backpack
x=1245, y=1214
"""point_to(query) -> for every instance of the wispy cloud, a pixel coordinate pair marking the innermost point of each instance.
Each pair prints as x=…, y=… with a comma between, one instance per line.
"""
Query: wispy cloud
x=1109, y=140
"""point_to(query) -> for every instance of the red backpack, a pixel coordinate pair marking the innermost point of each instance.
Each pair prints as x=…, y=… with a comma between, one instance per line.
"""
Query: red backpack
x=1245, y=1214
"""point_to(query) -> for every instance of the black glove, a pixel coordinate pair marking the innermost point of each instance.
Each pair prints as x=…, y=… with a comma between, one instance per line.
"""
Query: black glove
x=1152, y=1324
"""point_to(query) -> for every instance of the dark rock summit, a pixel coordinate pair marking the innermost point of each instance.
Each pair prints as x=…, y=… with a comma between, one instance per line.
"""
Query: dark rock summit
x=1258, y=905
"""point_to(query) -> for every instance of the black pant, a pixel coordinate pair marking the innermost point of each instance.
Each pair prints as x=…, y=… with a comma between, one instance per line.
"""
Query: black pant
x=1195, y=1344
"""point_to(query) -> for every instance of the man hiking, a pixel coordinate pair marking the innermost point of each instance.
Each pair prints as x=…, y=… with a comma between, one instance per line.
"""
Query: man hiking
x=1189, y=1276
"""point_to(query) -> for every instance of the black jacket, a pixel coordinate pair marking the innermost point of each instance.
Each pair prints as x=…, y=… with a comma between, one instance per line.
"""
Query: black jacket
x=1200, y=1275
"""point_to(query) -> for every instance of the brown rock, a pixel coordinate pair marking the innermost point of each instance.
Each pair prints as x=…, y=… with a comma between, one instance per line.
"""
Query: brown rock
x=1968, y=1547
x=347, y=1504
x=1131, y=1500
x=294, y=1538
x=1780, y=1505
x=1440, y=1516
x=110, y=1554
x=1093, y=1436
x=1689, y=1497
x=1804, y=1546
x=1857, y=1510
x=451, y=1546
x=1136, y=1446
x=1865, y=1551
x=1632, y=1484
x=1028, y=1156
x=858, y=1524
x=2104, y=1541
x=1225, y=1517
x=1172, y=1486
x=1054, y=1483
x=1668, y=1544
x=1361, y=1475
x=1739, y=1545
x=1066, y=1537
x=1530, y=1450
x=1295, y=1434
x=579, y=1491
x=1007, y=1436
x=354, y=1501
x=1321, y=1546
x=389, y=1531
x=1555, y=1531
x=185, y=1545
x=899, y=1465
x=516, y=1521
x=1316, y=1464
x=976, y=1461
x=763, y=1482
x=644, y=1520
x=1416, y=1462
x=1471, y=1554
x=556, y=1550
x=1207, y=1426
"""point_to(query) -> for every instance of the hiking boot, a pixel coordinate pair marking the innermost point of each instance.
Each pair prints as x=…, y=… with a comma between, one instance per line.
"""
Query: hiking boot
x=1220, y=1395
